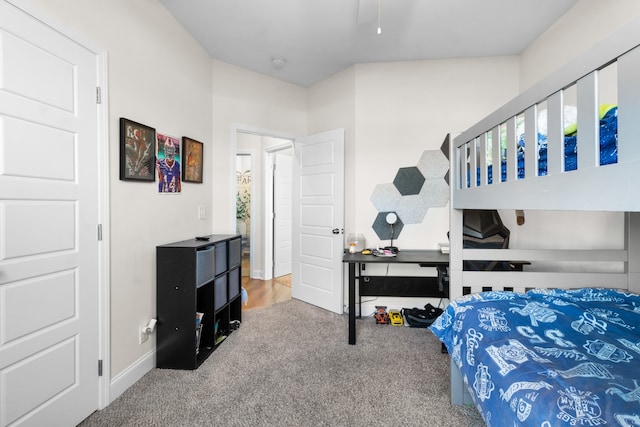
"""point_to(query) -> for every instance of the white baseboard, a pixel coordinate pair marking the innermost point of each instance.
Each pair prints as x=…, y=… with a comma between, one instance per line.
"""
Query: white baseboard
x=121, y=382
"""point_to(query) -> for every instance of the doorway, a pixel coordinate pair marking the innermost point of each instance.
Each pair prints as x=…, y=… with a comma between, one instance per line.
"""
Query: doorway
x=260, y=214
x=318, y=174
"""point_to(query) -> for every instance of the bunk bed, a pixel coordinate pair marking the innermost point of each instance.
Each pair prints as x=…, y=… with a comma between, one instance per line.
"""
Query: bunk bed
x=552, y=347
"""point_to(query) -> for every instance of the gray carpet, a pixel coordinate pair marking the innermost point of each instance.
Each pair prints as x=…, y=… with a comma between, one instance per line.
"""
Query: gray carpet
x=290, y=365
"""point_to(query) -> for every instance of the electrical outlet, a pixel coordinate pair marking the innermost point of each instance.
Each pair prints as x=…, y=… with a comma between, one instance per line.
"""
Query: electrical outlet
x=143, y=335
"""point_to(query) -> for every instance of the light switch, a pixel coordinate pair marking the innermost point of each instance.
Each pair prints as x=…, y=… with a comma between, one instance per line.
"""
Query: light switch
x=202, y=214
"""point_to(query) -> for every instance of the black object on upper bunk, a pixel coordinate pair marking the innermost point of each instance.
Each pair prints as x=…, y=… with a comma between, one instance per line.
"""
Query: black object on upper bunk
x=483, y=229
x=608, y=148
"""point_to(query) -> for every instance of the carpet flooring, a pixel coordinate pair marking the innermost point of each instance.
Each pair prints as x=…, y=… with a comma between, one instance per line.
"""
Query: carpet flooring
x=289, y=364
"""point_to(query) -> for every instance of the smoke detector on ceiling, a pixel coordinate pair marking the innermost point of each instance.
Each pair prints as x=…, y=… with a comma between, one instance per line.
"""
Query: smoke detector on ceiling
x=278, y=62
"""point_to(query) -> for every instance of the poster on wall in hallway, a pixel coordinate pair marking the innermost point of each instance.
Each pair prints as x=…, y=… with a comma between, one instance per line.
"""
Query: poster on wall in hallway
x=168, y=163
x=243, y=199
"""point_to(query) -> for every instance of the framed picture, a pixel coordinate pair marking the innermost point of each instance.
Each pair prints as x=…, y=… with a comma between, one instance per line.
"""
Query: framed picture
x=192, y=164
x=137, y=151
x=168, y=164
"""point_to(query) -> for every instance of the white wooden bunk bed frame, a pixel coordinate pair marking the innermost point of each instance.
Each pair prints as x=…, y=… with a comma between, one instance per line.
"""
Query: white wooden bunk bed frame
x=558, y=190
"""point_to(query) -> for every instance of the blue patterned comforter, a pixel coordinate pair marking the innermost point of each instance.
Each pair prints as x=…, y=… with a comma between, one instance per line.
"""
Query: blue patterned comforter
x=548, y=357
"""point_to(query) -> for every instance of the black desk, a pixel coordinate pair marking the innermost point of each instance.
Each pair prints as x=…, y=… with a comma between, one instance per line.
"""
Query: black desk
x=424, y=258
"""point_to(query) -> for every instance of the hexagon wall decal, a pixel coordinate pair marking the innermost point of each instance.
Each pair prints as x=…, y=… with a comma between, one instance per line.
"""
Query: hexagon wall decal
x=385, y=197
x=433, y=165
x=414, y=190
x=385, y=230
x=435, y=192
x=445, y=146
x=412, y=209
x=408, y=181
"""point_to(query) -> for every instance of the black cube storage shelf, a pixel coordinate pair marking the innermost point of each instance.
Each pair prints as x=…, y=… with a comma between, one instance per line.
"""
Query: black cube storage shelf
x=196, y=276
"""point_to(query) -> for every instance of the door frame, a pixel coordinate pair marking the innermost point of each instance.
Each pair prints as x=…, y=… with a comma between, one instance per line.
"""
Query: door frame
x=253, y=130
x=102, y=170
x=104, y=263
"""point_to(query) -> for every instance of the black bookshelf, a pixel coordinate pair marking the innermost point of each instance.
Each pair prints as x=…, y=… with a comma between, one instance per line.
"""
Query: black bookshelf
x=196, y=276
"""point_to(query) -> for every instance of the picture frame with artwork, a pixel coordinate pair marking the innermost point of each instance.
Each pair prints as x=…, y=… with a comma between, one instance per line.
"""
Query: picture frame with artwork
x=168, y=163
x=137, y=151
x=192, y=151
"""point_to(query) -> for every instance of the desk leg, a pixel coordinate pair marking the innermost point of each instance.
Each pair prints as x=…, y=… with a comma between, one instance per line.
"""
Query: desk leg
x=352, y=303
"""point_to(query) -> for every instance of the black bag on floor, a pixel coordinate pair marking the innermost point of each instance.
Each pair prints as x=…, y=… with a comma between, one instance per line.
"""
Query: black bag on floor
x=421, y=318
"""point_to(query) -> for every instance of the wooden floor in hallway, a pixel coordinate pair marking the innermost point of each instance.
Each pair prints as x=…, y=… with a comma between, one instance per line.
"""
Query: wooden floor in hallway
x=263, y=293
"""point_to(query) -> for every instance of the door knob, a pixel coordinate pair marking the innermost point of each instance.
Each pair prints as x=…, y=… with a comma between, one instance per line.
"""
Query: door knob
x=336, y=231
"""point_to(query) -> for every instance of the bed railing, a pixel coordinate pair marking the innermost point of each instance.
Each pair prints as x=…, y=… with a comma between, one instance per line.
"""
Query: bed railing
x=494, y=143
x=507, y=140
x=623, y=272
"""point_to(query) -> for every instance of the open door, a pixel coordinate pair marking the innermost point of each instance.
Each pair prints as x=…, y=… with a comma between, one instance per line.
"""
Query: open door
x=318, y=220
x=282, y=214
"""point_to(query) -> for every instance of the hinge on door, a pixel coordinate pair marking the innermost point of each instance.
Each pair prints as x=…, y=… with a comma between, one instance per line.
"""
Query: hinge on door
x=99, y=232
x=98, y=95
x=100, y=367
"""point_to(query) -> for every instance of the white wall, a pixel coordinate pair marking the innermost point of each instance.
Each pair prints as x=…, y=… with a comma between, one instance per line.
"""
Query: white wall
x=579, y=29
x=159, y=76
x=405, y=108
x=391, y=113
x=247, y=99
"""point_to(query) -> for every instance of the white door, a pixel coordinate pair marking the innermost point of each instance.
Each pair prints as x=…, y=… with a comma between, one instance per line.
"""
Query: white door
x=48, y=225
x=282, y=218
x=318, y=220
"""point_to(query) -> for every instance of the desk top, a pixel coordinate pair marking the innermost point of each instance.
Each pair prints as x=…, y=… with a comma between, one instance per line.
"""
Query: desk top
x=426, y=258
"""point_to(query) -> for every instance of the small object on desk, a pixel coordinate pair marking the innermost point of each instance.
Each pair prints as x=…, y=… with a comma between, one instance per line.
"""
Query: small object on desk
x=383, y=253
x=393, y=249
x=203, y=238
x=366, y=252
x=356, y=243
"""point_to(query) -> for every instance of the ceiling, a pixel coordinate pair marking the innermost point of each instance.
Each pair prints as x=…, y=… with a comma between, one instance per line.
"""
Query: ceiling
x=318, y=38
